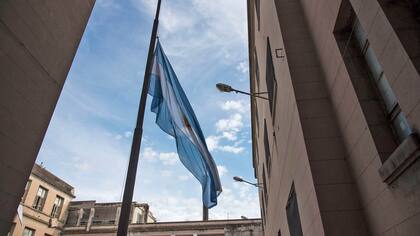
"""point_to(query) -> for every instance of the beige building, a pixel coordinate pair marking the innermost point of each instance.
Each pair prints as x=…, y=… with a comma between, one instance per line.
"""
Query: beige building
x=84, y=215
x=43, y=209
x=38, y=40
x=241, y=227
x=336, y=145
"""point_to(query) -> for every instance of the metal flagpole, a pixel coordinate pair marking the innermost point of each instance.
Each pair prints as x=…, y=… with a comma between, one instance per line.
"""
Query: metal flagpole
x=137, y=136
x=205, y=213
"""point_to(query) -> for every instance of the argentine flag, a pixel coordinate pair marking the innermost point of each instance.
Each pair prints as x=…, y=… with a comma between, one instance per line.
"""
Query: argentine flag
x=175, y=116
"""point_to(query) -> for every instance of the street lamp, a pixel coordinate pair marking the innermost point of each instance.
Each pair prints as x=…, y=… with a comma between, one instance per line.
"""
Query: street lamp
x=227, y=89
x=239, y=179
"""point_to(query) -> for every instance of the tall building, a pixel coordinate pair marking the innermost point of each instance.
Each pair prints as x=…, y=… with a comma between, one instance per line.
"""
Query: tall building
x=43, y=209
x=238, y=227
x=336, y=144
x=38, y=40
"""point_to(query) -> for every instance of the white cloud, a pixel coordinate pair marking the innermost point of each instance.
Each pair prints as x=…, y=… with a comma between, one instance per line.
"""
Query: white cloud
x=235, y=105
x=222, y=170
x=193, y=30
x=212, y=142
x=232, y=149
x=149, y=154
x=242, y=67
x=168, y=158
x=233, y=123
x=127, y=134
x=230, y=135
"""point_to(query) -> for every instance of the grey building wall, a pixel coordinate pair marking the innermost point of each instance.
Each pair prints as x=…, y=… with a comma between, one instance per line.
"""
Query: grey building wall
x=326, y=134
x=38, y=40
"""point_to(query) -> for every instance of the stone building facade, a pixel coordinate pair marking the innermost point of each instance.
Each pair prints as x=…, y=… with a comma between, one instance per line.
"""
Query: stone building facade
x=240, y=227
x=336, y=144
x=86, y=214
x=38, y=40
x=43, y=209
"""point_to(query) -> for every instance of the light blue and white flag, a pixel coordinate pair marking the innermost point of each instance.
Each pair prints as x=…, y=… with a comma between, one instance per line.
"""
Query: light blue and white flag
x=175, y=116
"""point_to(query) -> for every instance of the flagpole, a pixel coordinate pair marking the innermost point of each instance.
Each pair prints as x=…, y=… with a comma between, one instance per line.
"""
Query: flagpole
x=137, y=136
x=205, y=213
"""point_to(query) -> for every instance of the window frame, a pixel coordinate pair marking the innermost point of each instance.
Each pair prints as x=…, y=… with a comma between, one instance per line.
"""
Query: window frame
x=39, y=201
x=271, y=81
x=27, y=229
x=267, y=150
x=295, y=215
x=56, y=209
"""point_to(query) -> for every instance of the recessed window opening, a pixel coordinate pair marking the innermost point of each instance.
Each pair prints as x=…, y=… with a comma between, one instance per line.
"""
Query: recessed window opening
x=40, y=198
x=387, y=123
x=271, y=81
x=292, y=212
x=267, y=149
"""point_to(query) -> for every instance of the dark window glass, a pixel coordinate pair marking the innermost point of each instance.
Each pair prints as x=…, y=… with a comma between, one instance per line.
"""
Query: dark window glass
x=257, y=70
x=265, y=190
x=257, y=119
x=267, y=149
x=292, y=212
x=271, y=80
x=28, y=232
x=40, y=198
x=257, y=9
x=58, y=205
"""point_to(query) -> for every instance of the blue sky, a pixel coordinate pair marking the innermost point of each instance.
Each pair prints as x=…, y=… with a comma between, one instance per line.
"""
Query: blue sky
x=89, y=138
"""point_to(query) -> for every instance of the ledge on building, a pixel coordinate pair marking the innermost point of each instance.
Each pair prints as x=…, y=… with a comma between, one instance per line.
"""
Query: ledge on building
x=401, y=159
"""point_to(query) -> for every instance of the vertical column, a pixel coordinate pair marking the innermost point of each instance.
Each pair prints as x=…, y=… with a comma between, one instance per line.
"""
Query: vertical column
x=91, y=215
x=117, y=215
x=79, y=218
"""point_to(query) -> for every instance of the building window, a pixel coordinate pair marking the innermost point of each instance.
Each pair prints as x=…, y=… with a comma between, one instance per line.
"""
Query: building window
x=257, y=119
x=391, y=107
x=257, y=9
x=257, y=70
x=41, y=195
x=27, y=186
x=271, y=81
x=28, y=232
x=267, y=149
x=265, y=190
x=292, y=212
x=387, y=123
x=58, y=205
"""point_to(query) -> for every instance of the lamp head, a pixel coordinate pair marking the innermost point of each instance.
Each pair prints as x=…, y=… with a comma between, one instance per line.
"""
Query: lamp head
x=224, y=88
x=238, y=179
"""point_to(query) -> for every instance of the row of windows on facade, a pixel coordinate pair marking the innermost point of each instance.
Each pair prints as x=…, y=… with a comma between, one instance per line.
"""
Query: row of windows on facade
x=26, y=232
x=392, y=112
x=40, y=199
x=396, y=118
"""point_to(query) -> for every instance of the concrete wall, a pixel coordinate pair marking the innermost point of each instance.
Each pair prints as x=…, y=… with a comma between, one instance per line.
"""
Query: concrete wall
x=38, y=40
x=319, y=138
x=239, y=227
x=391, y=209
